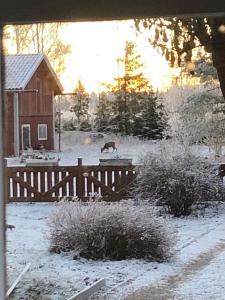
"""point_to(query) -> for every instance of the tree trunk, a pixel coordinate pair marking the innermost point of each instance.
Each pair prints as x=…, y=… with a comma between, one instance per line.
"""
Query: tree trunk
x=218, y=57
x=218, y=52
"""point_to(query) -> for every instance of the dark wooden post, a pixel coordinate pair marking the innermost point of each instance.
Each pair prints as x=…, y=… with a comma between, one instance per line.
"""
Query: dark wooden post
x=80, y=180
x=79, y=161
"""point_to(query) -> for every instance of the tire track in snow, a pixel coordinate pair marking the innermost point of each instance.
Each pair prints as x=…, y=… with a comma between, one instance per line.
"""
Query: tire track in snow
x=164, y=290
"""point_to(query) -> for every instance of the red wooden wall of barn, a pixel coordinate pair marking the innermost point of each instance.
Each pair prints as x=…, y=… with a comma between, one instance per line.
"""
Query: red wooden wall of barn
x=37, y=108
x=34, y=109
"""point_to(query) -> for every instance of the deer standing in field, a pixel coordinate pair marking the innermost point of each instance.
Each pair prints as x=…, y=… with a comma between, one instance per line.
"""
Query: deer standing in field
x=109, y=145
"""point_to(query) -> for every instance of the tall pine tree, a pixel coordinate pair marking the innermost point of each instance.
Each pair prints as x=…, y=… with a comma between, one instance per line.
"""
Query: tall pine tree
x=81, y=105
x=135, y=107
x=104, y=113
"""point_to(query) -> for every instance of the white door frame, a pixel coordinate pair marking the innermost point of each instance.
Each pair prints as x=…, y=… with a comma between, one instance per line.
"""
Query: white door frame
x=24, y=126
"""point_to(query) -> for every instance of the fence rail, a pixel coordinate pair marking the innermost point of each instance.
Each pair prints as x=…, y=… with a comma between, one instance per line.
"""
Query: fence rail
x=49, y=183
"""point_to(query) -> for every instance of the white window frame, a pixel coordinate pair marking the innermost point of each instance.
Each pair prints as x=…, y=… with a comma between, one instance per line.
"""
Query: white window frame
x=23, y=126
x=46, y=128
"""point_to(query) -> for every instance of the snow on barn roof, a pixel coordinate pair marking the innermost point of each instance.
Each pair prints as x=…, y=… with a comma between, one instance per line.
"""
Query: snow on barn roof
x=21, y=67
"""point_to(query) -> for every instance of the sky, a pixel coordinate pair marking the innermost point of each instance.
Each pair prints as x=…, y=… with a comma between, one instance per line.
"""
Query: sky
x=95, y=47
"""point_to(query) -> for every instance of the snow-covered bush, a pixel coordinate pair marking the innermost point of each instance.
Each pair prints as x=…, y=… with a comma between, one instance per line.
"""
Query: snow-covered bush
x=178, y=181
x=116, y=231
x=202, y=118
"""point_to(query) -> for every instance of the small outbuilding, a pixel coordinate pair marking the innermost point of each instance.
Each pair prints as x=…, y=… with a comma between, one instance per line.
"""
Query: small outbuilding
x=30, y=86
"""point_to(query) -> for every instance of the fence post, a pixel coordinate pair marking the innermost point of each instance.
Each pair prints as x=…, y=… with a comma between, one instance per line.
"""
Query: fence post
x=80, y=180
x=79, y=161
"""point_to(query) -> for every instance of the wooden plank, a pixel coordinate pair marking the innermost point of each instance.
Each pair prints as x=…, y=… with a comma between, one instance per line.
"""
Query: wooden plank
x=71, y=188
x=28, y=182
x=17, y=280
x=42, y=182
x=21, y=175
x=104, y=187
x=49, y=179
x=109, y=176
x=64, y=185
x=26, y=185
x=35, y=199
x=61, y=183
x=123, y=179
x=89, y=187
x=88, y=291
x=35, y=180
x=116, y=180
x=13, y=170
x=103, y=192
x=14, y=185
x=96, y=186
x=56, y=190
x=80, y=189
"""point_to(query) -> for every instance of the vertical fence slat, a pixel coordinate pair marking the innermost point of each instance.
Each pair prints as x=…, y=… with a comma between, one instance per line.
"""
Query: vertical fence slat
x=109, y=176
x=14, y=186
x=123, y=179
x=35, y=180
x=56, y=181
x=49, y=180
x=21, y=175
x=89, y=187
x=116, y=180
x=64, y=186
x=42, y=182
x=80, y=191
x=103, y=181
x=29, y=182
x=95, y=186
x=71, y=188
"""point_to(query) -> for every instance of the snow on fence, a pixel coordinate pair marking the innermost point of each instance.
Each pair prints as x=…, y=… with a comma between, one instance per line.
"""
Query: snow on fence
x=49, y=183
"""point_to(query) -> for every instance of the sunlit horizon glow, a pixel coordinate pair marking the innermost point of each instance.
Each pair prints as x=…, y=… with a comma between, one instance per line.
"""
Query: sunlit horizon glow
x=95, y=47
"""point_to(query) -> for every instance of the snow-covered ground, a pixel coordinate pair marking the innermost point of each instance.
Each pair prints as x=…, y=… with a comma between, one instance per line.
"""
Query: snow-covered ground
x=76, y=144
x=197, y=271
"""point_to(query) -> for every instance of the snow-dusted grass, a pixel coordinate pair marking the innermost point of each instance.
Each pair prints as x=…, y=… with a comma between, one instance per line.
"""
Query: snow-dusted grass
x=80, y=144
x=76, y=144
x=59, y=276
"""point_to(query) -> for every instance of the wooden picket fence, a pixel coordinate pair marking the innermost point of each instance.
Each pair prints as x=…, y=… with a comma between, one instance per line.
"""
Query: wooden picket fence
x=50, y=183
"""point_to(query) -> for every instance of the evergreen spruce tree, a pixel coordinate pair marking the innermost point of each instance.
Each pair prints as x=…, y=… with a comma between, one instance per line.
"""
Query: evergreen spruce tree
x=126, y=88
x=135, y=106
x=151, y=122
x=103, y=114
x=81, y=106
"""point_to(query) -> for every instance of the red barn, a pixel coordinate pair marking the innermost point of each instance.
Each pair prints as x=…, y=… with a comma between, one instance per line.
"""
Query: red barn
x=30, y=87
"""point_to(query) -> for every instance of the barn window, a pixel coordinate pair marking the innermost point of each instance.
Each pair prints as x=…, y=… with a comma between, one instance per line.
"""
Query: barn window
x=42, y=132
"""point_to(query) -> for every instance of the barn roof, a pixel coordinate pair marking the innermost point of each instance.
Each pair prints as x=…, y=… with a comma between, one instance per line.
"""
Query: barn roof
x=21, y=67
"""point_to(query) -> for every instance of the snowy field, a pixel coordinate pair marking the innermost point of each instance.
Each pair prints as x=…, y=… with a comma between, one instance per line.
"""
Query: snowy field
x=82, y=144
x=197, y=271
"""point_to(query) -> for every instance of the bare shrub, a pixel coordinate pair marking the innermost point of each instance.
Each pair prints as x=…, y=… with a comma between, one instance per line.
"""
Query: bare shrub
x=115, y=231
x=178, y=181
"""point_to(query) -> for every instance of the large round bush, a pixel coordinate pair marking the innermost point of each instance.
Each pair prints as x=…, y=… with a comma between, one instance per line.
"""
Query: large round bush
x=178, y=181
x=109, y=231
